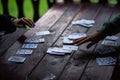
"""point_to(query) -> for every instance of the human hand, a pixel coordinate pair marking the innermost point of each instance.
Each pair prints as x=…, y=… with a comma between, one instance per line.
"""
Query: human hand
x=23, y=21
x=0, y=38
x=93, y=38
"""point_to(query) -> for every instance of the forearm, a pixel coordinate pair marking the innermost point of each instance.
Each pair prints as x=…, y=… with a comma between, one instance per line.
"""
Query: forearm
x=6, y=24
x=112, y=27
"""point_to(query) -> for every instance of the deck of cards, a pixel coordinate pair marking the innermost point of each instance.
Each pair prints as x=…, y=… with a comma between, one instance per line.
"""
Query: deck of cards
x=107, y=61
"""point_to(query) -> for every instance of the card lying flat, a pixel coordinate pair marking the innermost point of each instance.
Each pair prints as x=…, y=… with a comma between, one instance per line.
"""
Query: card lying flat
x=106, y=50
x=24, y=51
x=50, y=51
x=70, y=47
x=106, y=61
x=58, y=51
x=67, y=41
x=2, y=33
x=41, y=33
x=16, y=59
x=84, y=22
x=112, y=38
x=77, y=35
x=29, y=45
x=109, y=42
x=35, y=40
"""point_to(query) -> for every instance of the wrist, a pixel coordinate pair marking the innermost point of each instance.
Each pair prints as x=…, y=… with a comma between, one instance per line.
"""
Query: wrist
x=100, y=35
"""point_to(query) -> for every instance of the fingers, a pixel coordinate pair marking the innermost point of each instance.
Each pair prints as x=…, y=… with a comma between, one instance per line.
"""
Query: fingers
x=27, y=22
x=81, y=41
x=75, y=41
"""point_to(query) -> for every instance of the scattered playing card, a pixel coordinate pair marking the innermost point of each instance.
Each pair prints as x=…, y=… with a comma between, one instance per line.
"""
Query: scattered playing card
x=84, y=22
x=112, y=38
x=106, y=50
x=50, y=51
x=106, y=61
x=56, y=49
x=70, y=47
x=77, y=35
x=34, y=40
x=41, y=33
x=29, y=45
x=17, y=59
x=67, y=41
x=2, y=33
x=109, y=42
x=24, y=51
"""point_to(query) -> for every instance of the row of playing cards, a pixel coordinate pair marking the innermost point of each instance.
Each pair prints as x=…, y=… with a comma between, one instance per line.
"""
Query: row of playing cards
x=30, y=43
x=107, y=61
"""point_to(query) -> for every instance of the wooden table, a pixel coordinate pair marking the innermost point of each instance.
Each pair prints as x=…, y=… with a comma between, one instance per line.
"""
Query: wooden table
x=79, y=65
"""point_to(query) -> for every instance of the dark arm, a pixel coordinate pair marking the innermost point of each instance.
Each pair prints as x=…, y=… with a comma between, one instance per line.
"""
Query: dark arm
x=112, y=27
x=6, y=24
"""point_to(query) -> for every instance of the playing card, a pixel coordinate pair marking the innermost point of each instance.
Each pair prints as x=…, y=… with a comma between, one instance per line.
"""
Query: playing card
x=60, y=50
x=112, y=38
x=84, y=22
x=67, y=41
x=56, y=49
x=106, y=50
x=77, y=35
x=109, y=42
x=106, y=61
x=41, y=33
x=50, y=51
x=29, y=45
x=34, y=40
x=70, y=47
x=24, y=51
x=2, y=33
x=16, y=59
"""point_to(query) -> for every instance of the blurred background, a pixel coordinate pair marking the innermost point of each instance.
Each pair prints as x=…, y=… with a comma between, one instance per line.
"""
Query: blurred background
x=28, y=8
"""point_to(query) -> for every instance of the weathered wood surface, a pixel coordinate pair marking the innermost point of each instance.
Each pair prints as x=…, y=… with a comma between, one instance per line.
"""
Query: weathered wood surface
x=79, y=65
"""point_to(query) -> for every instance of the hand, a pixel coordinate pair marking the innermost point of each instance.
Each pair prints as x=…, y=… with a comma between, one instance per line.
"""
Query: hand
x=23, y=21
x=93, y=38
x=0, y=38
